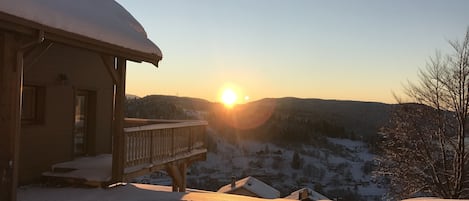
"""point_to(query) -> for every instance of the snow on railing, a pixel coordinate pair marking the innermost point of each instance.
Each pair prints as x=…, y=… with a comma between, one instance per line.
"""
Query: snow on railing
x=161, y=140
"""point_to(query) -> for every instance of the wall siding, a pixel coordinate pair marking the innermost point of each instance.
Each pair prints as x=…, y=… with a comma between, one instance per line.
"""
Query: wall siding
x=51, y=141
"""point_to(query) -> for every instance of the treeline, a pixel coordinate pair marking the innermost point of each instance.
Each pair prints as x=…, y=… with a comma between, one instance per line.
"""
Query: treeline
x=164, y=107
x=280, y=128
x=153, y=108
x=284, y=120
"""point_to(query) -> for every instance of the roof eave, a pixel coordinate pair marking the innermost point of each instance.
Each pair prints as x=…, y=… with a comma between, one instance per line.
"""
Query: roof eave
x=27, y=27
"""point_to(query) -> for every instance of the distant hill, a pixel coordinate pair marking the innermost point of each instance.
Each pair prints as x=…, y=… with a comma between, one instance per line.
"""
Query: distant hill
x=291, y=120
x=274, y=119
x=131, y=96
x=354, y=116
x=164, y=107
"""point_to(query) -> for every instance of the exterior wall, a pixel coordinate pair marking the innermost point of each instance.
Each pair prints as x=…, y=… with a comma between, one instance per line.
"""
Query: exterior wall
x=243, y=191
x=50, y=141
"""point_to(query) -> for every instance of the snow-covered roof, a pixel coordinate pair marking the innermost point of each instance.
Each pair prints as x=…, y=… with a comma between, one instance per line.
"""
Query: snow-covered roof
x=104, y=21
x=253, y=185
x=312, y=195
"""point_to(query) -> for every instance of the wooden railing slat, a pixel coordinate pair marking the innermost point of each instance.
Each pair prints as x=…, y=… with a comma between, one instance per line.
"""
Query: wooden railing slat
x=153, y=144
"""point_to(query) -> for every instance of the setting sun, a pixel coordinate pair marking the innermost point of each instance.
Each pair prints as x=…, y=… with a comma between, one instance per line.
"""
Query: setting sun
x=229, y=97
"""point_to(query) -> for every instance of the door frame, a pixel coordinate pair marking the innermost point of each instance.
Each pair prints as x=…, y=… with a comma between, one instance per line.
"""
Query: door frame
x=90, y=122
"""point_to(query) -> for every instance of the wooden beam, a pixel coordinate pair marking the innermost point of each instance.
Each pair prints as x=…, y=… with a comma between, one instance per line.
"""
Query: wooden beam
x=13, y=27
x=109, y=62
x=118, y=148
x=98, y=46
x=35, y=53
x=11, y=71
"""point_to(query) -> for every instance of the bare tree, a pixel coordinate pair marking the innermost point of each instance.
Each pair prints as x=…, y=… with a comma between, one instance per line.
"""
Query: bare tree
x=423, y=147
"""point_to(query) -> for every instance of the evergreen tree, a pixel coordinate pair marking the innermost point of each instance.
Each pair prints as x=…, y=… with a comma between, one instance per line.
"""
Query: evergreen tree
x=296, y=161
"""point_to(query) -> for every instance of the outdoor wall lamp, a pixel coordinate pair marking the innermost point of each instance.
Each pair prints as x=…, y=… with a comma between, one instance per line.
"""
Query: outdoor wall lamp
x=62, y=78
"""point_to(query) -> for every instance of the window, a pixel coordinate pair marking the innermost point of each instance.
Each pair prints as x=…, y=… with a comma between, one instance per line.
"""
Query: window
x=33, y=103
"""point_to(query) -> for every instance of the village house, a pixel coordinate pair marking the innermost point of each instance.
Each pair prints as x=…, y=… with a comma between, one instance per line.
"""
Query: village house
x=250, y=186
x=307, y=194
x=62, y=93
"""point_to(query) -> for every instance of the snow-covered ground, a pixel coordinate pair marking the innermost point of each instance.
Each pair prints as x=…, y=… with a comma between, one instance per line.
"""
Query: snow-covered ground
x=128, y=192
x=337, y=167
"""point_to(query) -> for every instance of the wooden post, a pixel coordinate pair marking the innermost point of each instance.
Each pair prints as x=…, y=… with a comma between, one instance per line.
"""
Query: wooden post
x=178, y=176
x=152, y=133
x=118, y=144
x=173, y=148
x=175, y=186
x=182, y=171
x=11, y=74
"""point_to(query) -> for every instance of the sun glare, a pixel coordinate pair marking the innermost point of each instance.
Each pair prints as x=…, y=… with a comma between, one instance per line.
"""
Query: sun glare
x=229, y=97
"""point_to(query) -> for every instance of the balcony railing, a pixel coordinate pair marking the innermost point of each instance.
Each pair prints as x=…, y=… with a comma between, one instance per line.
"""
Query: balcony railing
x=150, y=143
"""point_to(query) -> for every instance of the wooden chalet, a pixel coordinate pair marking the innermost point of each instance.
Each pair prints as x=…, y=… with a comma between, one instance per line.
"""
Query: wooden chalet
x=62, y=93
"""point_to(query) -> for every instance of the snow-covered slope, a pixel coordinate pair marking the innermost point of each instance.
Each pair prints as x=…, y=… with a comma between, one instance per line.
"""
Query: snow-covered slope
x=332, y=166
x=340, y=168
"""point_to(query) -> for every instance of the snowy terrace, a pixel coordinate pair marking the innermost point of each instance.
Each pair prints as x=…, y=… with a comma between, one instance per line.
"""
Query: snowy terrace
x=149, y=146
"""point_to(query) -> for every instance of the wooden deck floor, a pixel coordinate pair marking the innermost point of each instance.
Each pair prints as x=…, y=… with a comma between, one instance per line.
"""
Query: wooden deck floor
x=97, y=170
x=93, y=171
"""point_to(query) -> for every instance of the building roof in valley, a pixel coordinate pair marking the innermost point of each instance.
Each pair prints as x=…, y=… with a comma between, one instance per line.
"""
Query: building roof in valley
x=253, y=185
x=102, y=23
x=309, y=193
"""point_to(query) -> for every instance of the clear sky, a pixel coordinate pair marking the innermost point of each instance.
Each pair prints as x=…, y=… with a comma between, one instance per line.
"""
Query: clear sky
x=348, y=50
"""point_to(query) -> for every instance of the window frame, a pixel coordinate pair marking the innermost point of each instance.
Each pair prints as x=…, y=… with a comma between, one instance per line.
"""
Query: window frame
x=33, y=104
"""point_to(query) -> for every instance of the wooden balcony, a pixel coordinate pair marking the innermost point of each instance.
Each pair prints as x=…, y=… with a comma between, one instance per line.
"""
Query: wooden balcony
x=150, y=145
